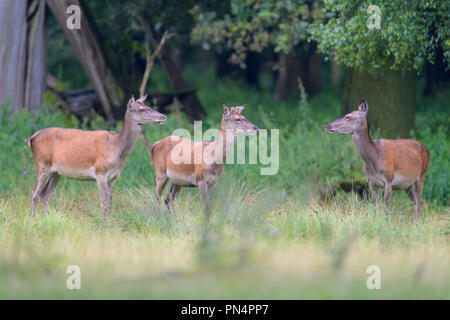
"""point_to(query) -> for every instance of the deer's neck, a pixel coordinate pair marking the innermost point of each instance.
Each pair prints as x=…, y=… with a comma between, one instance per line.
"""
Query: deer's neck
x=365, y=146
x=128, y=136
x=224, y=144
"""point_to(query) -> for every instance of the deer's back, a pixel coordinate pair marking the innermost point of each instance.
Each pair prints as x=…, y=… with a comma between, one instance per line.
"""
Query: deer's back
x=72, y=148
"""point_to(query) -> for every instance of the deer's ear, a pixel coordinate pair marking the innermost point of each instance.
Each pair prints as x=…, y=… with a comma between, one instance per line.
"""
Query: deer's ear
x=225, y=109
x=240, y=108
x=142, y=99
x=131, y=103
x=363, y=106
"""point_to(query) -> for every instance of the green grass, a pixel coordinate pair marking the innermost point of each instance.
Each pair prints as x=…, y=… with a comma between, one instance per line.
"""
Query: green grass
x=270, y=236
x=262, y=245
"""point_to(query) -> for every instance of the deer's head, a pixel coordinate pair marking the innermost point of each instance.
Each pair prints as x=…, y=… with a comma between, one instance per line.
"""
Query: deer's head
x=235, y=121
x=352, y=121
x=143, y=114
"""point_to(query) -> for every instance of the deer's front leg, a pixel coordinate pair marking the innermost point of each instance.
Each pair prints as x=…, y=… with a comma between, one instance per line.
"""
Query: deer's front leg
x=204, y=195
x=109, y=193
x=105, y=198
x=387, y=196
x=373, y=193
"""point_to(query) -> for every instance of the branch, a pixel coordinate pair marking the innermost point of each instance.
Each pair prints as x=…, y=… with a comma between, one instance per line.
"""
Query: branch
x=150, y=58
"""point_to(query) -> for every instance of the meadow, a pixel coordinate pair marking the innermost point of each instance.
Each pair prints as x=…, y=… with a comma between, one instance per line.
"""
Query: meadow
x=270, y=236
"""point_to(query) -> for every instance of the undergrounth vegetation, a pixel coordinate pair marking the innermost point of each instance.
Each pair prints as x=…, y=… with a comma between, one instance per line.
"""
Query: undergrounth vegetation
x=270, y=237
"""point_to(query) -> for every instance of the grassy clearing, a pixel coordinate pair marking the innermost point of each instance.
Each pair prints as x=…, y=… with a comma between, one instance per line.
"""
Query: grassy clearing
x=289, y=249
x=273, y=240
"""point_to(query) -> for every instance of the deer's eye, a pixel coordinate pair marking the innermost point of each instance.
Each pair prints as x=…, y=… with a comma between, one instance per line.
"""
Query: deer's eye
x=347, y=118
x=238, y=119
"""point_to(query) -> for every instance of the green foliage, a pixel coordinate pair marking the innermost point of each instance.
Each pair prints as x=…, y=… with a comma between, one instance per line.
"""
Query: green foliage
x=273, y=240
x=62, y=62
x=309, y=156
x=254, y=25
x=409, y=35
x=437, y=181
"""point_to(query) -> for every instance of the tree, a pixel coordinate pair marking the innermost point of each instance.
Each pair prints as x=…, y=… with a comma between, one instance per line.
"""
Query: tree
x=90, y=53
x=252, y=26
x=126, y=28
x=384, y=62
x=110, y=46
x=22, y=53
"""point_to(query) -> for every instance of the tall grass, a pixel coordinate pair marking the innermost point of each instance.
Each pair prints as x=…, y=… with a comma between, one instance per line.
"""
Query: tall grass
x=269, y=237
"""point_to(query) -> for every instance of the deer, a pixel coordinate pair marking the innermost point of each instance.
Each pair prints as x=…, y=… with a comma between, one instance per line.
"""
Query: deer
x=87, y=155
x=398, y=164
x=166, y=155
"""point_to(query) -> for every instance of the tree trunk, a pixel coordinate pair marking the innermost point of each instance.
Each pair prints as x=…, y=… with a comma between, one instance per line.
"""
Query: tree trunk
x=282, y=79
x=391, y=96
x=36, y=55
x=190, y=102
x=295, y=70
x=313, y=84
x=336, y=74
x=305, y=65
x=88, y=50
x=13, y=52
x=22, y=53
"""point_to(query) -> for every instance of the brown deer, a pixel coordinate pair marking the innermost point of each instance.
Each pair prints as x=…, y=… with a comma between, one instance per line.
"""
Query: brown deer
x=167, y=154
x=399, y=164
x=87, y=155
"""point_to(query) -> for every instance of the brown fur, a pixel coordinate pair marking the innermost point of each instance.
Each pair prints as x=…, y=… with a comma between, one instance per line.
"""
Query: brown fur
x=202, y=175
x=74, y=148
x=87, y=155
x=398, y=164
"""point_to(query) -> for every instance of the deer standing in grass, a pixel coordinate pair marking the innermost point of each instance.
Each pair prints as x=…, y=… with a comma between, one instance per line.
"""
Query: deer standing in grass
x=87, y=155
x=170, y=162
x=399, y=164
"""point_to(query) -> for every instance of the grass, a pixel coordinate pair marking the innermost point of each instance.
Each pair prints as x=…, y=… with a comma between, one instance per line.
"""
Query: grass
x=270, y=236
x=291, y=249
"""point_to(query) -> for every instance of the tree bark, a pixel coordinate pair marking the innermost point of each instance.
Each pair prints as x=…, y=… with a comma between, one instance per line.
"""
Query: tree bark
x=391, y=96
x=13, y=37
x=336, y=74
x=88, y=50
x=313, y=83
x=282, y=79
x=190, y=102
x=22, y=53
x=36, y=55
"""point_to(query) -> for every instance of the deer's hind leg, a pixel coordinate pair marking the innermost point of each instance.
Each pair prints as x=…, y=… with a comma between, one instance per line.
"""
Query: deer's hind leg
x=411, y=192
x=161, y=180
x=173, y=192
x=43, y=176
x=49, y=188
x=418, y=195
